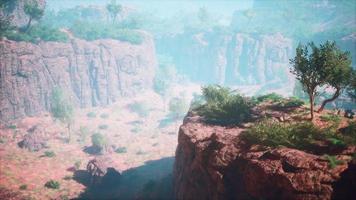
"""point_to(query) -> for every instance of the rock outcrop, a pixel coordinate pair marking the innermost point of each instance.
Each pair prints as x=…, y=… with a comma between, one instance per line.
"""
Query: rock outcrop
x=213, y=162
x=91, y=73
x=242, y=59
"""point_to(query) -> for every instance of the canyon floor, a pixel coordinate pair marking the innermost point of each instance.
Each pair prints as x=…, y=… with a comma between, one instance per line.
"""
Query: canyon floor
x=150, y=145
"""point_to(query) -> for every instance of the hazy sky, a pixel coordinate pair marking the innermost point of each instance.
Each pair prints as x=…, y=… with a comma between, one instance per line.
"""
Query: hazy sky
x=163, y=7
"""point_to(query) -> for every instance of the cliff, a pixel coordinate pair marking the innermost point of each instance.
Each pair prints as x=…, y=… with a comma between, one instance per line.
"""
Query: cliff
x=213, y=162
x=91, y=73
x=224, y=58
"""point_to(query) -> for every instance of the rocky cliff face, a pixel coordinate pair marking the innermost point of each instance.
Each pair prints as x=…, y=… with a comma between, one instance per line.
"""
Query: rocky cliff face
x=214, y=57
x=212, y=162
x=91, y=73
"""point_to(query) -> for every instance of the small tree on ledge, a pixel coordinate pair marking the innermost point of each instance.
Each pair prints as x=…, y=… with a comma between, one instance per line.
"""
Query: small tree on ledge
x=33, y=11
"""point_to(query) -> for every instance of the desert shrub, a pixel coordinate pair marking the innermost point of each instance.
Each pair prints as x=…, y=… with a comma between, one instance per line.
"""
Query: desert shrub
x=2, y=140
x=23, y=187
x=294, y=135
x=141, y=108
x=91, y=114
x=49, y=154
x=121, y=150
x=136, y=129
x=224, y=106
x=330, y=118
x=98, y=140
x=104, y=116
x=333, y=161
x=52, y=184
x=77, y=164
x=68, y=177
x=94, y=31
x=290, y=102
x=178, y=107
x=12, y=126
x=141, y=152
x=103, y=126
x=273, y=97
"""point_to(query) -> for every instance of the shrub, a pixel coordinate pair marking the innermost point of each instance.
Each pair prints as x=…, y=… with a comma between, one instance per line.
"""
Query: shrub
x=330, y=118
x=290, y=102
x=121, y=150
x=36, y=33
x=98, y=140
x=104, y=116
x=52, y=184
x=224, y=107
x=49, y=154
x=12, y=126
x=137, y=128
x=103, y=126
x=68, y=177
x=141, y=108
x=178, y=107
x=333, y=161
x=83, y=133
x=91, y=114
x=273, y=97
x=23, y=187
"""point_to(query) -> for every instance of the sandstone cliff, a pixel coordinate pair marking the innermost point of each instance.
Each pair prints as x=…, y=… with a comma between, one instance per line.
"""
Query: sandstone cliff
x=212, y=162
x=91, y=73
x=243, y=59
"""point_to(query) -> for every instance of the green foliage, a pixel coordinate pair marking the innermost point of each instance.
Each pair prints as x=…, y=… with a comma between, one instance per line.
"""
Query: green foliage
x=104, y=115
x=94, y=31
x=141, y=108
x=121, y=150
x=103, y=126
x=5, y=24
x=61, y=107
x=114, y=9
x=52, y=184
x=49, y=154
x=330, y=118
x=224, y=106
x=83, y=133
x=333, y=161
x=178, y=107
x=91, y=114
x=68, y=177
x=294, y=135
x=98, y=140
x=37, y=33
x=23, y=187
x=273, y=97
x=12, y=126
x=291, y=102
x=34, y=12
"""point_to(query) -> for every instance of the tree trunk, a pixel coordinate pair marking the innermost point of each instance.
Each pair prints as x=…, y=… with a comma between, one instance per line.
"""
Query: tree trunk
x=28, y=24
x=335, y=96
x=69, y=133
x=311, y=99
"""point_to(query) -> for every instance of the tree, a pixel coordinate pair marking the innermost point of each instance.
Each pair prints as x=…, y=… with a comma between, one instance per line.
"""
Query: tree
x=336, y=69
x=62, y=109
x=113, y=9
x=307, y=67
x=351, y=89
x=34, y=12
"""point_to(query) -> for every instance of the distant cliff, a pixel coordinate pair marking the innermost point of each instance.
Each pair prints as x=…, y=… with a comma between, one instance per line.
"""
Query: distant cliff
x=91, y=73
x=242, y=59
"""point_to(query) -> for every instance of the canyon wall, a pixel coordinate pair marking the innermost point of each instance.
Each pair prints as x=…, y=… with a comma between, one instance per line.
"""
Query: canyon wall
x=90, y=73
x=238, y=59
x=214, y=163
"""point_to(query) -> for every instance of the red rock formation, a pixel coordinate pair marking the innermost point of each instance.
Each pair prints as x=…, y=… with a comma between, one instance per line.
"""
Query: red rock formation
x=212, y=162
x=91, y=73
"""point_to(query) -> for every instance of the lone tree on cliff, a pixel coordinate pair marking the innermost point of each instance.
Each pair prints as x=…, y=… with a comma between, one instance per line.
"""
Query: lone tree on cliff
x=33, y=11
x=62, y=109
x=325, y=65
x=114, y=9
x=336, y=69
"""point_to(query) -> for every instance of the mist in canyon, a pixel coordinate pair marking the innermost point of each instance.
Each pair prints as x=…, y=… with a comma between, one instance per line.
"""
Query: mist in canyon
x=93, y=93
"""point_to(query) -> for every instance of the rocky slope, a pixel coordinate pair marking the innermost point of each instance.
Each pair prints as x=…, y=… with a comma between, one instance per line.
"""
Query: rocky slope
x=212, y=162
x=91, y=73
x=216, y=57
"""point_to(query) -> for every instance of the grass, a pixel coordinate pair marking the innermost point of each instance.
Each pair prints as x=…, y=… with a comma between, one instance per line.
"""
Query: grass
x=301, y=135
x=52, y=184
x=121, y=150
x=330, y=118
x=224, y=107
